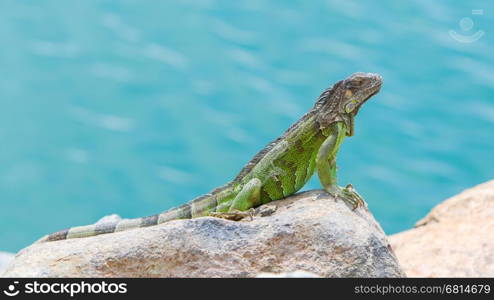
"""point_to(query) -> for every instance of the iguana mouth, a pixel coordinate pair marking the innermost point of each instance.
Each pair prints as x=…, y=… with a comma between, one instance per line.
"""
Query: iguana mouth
x=374, y=89
x=377, y=87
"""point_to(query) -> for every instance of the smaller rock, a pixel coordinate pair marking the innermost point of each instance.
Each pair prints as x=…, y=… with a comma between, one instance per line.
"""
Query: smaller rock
x=454, y=240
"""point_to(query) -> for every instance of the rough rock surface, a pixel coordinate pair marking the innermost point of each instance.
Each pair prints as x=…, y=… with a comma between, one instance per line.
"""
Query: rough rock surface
x=294, y=274
x=456, y=239
x=308, y=231
x=5, y=259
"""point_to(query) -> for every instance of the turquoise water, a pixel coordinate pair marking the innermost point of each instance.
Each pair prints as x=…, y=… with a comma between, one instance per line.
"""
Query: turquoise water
x=132, y=107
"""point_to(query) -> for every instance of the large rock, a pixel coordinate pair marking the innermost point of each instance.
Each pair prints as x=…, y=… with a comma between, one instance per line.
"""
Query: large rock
x=456, y=239
x=5, y=259
x=309, y=232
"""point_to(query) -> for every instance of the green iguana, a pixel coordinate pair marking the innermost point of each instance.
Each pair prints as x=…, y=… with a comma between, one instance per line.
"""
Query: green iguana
x=277, y=171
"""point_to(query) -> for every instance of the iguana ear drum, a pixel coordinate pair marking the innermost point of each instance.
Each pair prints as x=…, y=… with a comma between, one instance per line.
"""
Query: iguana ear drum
x=350, y=106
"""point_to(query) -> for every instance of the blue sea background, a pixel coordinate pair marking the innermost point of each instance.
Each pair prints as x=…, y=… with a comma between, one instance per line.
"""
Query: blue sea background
x=133, y=107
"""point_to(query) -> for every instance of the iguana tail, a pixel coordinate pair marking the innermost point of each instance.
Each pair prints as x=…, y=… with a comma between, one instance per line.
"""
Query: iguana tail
x=196, y=208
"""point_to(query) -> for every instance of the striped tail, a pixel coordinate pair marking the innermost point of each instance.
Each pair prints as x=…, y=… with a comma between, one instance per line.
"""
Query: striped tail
x=182, y=212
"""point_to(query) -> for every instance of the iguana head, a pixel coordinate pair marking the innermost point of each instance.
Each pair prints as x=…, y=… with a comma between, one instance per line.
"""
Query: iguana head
x=343, y=101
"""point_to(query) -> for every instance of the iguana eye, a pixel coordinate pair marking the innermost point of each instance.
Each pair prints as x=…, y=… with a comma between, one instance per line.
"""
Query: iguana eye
x=350, y=107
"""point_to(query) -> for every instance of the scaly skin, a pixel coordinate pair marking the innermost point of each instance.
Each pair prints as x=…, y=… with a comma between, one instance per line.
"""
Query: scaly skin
x=281, y=169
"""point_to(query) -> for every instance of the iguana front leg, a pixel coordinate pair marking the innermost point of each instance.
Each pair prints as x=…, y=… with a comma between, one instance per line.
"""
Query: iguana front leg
x=326, y=167
x=242, y=205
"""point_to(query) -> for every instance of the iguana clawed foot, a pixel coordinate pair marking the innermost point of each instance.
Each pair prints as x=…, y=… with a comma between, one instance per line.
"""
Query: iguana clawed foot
x=234, y=215
x=349, y=195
